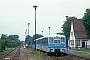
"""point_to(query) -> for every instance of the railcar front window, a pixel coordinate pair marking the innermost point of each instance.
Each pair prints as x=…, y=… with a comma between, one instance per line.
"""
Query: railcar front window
x=50, y=40
x=56, y=41
x=62, y=40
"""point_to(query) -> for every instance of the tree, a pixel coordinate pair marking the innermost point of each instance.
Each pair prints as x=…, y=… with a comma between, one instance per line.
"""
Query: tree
x=3, y=44
x=60, y=33
x=37, y=36
x=10, y=36
x=13, y=37
x=32, y=38
x=69, y=25
x=8, y=42
x=3, y=36
x=27, y=39
x=86, y=22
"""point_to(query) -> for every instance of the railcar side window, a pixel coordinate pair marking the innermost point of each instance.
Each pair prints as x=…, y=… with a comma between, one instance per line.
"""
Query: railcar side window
x=51, y=40
x=44, y=41
x=38, y=41
x=62, y=40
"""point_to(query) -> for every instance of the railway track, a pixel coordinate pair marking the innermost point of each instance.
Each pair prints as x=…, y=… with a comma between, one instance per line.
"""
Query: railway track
x=11, y=55
x=70, y=57
x=64, y=56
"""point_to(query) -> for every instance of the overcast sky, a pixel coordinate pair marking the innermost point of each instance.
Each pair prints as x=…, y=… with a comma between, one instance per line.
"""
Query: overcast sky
x=16, y=14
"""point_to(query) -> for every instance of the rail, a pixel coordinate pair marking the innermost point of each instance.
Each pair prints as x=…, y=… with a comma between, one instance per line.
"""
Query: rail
x=10, y=55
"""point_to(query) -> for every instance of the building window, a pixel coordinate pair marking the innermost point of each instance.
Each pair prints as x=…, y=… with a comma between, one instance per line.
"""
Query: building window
x=89, y=41
x=72, y=34
x=72, y=42
x=77, y=42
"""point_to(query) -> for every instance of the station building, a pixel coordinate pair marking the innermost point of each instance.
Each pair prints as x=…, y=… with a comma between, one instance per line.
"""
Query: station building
x=77, y=34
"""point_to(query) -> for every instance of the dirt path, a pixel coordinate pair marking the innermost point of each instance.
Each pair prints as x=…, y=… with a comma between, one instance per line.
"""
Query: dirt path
x=27, y=55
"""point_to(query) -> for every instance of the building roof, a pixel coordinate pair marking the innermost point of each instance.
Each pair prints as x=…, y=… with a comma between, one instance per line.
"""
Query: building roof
x=79, y=30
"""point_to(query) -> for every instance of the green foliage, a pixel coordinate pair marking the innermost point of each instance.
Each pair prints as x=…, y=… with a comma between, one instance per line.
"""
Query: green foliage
x=38, y=54
x=13, y=37
x=37, y=36
x=60, y=33
x=3, y=36
x=84, y=51
x=10, y=37
x=8, y=43
x=86, y=22
x=7, y=49
x=69, y=25
x=3, y=45
x=32, y=38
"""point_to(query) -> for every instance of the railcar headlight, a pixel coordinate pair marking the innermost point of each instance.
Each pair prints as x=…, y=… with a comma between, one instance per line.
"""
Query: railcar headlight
x=51, y=49
x=62, y=42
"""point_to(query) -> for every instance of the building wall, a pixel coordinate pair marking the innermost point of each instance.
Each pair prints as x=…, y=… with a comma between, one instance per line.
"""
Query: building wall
x=72, y=36
x=88, y=43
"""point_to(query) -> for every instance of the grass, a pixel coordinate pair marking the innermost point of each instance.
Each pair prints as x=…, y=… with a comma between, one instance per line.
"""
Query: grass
x=84, y=51
x=38, y=54
x=7, y=49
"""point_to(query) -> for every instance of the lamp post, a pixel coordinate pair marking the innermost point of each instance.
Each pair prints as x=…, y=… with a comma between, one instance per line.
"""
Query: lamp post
x=67, y=32
x=26, y=37
x=49, y=30
x=42, y=33
x=26, y=32
x=28, y=28
x=35, y=28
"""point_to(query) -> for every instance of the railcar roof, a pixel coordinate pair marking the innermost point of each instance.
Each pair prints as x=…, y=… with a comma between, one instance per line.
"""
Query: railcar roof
x=52, y=36
x=55, y=35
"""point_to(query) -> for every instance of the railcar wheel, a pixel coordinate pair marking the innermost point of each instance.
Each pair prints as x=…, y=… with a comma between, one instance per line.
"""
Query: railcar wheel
x=58, y=53
x=49, y=53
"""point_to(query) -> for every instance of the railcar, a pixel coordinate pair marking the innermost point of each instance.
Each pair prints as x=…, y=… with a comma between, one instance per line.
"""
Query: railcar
x=52, y=44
